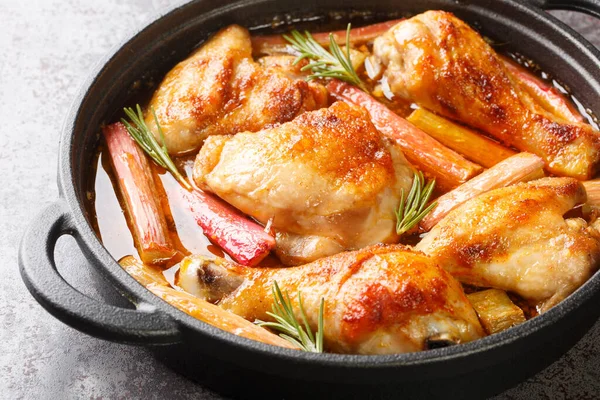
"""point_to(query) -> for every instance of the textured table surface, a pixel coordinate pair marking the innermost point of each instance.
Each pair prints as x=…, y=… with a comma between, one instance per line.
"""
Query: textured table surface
x=47, y=48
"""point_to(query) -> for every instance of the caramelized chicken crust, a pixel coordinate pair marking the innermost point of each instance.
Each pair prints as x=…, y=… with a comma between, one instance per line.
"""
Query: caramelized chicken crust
x=439, y=62
x=378, y=300
x=220, y=90
x=517, y=239
x=327, y=181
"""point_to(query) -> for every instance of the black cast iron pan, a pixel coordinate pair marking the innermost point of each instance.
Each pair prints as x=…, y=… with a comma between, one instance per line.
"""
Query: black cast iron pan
x=237, y=365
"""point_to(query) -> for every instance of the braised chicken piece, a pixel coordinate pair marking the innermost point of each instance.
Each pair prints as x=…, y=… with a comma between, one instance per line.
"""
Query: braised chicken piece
x=439, y=62
x=325, y=182
x=221, y=90
x=517, y=239
x=378, y=300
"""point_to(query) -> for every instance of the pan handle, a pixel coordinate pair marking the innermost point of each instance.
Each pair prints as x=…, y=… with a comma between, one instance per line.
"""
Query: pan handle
x=144, y=325
x=591, y=7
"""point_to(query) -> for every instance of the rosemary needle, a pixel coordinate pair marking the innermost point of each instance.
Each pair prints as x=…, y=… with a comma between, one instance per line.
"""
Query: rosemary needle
x=142, y=135
x=414, y=208
x=286, y=323
x=334, y=63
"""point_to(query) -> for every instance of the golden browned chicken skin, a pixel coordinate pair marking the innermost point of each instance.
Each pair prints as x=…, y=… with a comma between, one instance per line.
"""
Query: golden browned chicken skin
x=517, y=239
x=378, y=300
x=439, y=62
x=220, y=90
x=327, y=181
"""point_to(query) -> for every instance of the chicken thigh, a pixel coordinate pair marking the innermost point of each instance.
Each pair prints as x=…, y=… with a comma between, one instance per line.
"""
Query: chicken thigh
x=327, y=181
x=517, y=239
x=220, y=90
x=439, y=62
x=378, y=300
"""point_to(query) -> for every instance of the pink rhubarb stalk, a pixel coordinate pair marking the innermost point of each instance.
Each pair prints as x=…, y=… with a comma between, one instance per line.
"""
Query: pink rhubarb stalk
x=138, y=191
x=244, y=240
x=521, y=167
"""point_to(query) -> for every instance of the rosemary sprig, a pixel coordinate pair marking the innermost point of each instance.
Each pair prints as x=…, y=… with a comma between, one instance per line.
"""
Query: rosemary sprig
x=142, y=135
x=334, y=63
x=289, y=327
x=414, y=208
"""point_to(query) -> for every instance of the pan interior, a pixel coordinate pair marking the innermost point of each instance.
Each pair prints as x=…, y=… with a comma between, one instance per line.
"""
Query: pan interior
x=141, y=61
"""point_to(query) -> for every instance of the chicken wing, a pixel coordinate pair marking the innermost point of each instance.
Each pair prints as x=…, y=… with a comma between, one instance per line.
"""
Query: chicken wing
x=439, y=62
x=328, y=175
x=517, y=239
x=220, y=90
x=378, y=300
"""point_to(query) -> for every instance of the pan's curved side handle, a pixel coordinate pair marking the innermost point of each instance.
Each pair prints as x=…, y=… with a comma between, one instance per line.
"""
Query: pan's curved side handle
x=144, y=325
x=591, y=7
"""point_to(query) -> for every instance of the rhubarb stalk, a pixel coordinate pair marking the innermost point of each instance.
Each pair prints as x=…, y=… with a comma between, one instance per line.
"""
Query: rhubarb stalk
x=244, y=240
x=521, y=167
x=138, y=192
x=465, y=141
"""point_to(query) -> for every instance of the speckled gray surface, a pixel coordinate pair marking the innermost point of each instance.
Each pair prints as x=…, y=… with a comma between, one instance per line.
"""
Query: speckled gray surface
x=46, y=50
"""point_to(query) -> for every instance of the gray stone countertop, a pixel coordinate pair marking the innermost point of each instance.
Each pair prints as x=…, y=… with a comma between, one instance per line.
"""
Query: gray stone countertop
x=47, y=48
